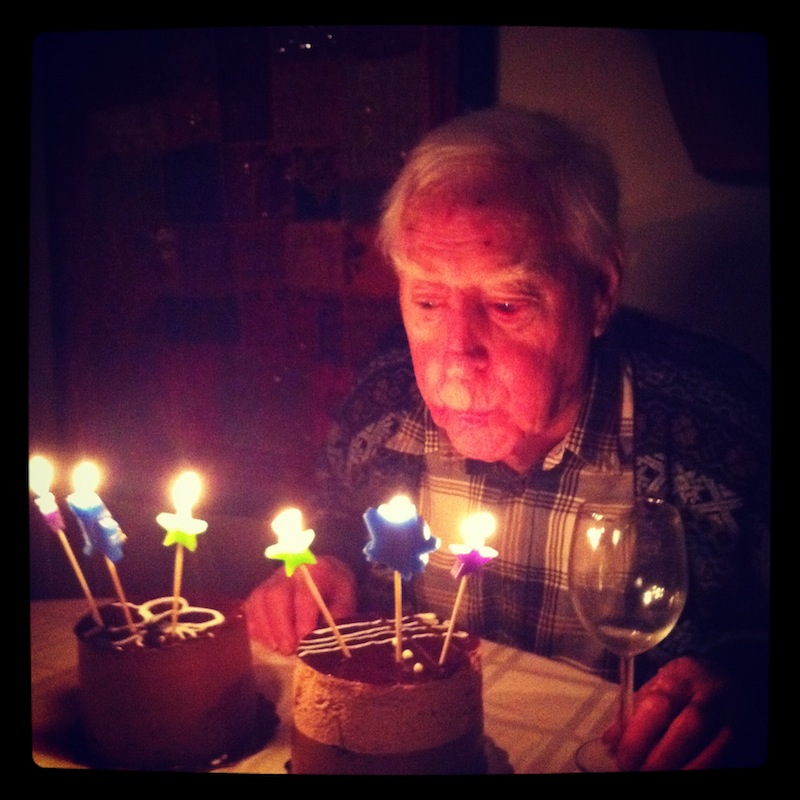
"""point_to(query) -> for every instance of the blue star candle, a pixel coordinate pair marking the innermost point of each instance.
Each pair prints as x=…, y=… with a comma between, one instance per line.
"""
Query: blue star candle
x=470, y=557
x=40, y=476
x=182, y=530
x=100, y=530
x=293, y=548
x=399, y=539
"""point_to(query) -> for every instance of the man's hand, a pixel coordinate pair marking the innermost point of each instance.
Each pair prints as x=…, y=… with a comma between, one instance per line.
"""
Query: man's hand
x=687, y=717
x=281, y=610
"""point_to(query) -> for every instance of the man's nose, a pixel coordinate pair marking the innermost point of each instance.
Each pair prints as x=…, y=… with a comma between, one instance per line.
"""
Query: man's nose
x=467, y=330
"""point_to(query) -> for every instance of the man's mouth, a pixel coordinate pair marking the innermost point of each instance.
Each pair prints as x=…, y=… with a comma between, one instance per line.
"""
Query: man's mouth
x=469, y=417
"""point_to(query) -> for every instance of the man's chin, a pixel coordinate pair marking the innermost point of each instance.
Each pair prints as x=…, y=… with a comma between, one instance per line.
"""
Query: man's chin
x=479, y=444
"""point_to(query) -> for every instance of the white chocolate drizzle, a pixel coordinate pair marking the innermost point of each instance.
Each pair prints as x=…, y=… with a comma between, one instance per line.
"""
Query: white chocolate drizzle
x=156, y=615
x=378, y=631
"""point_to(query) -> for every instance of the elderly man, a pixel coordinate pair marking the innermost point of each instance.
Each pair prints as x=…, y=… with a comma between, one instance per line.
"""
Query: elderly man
x=522, y=390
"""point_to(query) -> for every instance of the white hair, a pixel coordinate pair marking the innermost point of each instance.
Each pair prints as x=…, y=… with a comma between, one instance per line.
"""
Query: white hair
x=561, y=183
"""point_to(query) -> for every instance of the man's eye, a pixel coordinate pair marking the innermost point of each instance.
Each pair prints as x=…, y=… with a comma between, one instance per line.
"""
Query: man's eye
x=512, y=312
x=427, y=305
x=506, y=309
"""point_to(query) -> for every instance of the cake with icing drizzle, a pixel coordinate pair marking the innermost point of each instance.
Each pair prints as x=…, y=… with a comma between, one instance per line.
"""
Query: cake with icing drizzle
x=372, y=714
x=164, y=697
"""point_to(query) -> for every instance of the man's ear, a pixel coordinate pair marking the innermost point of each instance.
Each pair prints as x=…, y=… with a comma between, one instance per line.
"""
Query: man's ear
x=606, y=287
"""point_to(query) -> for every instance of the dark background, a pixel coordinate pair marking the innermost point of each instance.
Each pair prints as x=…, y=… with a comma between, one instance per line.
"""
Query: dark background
x=203, y=284
x=204, y=206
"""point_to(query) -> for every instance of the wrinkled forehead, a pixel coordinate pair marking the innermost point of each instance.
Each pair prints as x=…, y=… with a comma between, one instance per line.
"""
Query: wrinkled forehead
x=489, y=208
x=468, y=229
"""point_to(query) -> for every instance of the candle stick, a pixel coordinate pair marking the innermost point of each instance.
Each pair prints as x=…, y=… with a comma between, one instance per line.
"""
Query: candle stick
x=293, y=549
x=100, y=530
x=182, y=530
x=400, y=539
x=40, y=473
x=470, y=557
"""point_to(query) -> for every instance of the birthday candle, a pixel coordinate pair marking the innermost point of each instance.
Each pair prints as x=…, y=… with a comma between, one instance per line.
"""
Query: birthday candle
x=100, y=530
x=470, y=557
x=473, y=554
x=293, y=542
x=400, y=539
x=182, y=530
x=293, y=548
x=40, y=474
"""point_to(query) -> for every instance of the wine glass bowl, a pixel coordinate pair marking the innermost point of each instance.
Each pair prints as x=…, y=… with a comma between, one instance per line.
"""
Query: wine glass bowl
x=628, y=580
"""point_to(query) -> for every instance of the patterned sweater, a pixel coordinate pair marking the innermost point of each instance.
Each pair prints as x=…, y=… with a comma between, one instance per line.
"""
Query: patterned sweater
x=669, y=414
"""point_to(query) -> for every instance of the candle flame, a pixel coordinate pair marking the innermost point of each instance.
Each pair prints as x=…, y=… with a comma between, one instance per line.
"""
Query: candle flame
x=593, y=534
x=40, y=475
x=476, y=528
x=398, y=509
x=292, y=537
x=288, y=522
x=86, y=478
x=186, y=492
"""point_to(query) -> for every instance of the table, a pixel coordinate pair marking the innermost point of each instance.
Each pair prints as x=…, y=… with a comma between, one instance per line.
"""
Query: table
x=537, y=711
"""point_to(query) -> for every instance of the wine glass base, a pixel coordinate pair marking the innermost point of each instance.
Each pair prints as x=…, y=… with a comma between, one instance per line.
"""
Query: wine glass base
x=594, y=756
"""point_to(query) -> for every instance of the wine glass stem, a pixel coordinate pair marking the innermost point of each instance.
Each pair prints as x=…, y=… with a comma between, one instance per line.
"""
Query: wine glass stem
x=625, y=689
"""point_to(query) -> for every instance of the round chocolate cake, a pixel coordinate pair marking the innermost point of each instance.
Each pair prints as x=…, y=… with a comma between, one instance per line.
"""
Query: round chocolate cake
x=372, y=714
x=168, y=698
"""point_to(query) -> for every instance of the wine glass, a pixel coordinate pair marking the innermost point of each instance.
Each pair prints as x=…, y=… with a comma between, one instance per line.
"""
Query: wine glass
x=628, y=579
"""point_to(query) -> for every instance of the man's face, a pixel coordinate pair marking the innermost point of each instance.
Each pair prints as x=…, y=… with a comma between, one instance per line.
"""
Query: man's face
x=499, y=340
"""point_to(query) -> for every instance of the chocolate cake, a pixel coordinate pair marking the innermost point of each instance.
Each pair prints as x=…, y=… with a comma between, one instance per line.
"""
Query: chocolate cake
x=370, y=714
x=164, y=699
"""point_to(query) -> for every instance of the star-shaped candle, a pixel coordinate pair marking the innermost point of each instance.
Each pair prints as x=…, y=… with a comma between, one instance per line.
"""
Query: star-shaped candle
x=402, y=540
x=474, y=553
x=100, y=530
x=470, y=557
x=293, y=548
x=182, y=529
x=40, y=476
x=293, y=542
x=399, y=537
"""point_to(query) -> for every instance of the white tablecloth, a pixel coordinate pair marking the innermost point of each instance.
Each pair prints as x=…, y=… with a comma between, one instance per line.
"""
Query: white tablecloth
x=537, y=711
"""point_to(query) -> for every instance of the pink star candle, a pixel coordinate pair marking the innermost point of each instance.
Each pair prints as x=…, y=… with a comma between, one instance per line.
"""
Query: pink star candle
x=40, y=476
x=292, y=548
x=470, y=557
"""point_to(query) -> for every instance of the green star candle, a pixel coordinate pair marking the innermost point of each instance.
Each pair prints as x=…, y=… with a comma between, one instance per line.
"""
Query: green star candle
x=293, y=548
x=182, y=529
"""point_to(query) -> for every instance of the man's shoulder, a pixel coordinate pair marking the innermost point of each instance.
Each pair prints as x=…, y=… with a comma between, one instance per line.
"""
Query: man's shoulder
x=386, y=385
x=689, y=368
x=652, y=341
